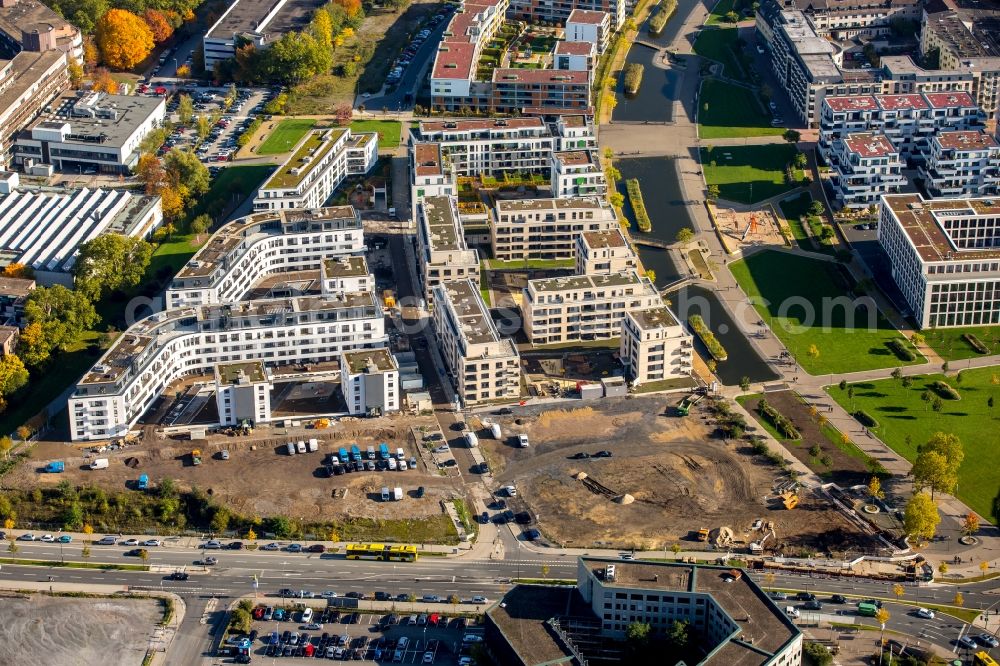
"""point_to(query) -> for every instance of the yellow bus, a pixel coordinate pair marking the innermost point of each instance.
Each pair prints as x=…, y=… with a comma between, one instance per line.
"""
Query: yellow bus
x=382, y=552
x=983, y=659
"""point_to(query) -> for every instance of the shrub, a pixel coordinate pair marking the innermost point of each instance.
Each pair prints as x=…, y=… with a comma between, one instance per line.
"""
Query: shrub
x=638, y=206
x=865, y=419
x=659, y=20
x=778, y=420
x=903, y=352
x=713, y=345
x=976, y=343
x=945, y=390
x=633, y=77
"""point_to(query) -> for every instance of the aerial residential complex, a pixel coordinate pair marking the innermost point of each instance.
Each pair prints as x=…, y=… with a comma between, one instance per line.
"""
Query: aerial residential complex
x=865, y=166
x=321, y=161
x=243, y=392
x=943, y=258
x=961, y=164
x=482, y=365
x=604, y=253
x=547, y=228
x=370, y=381
x=442, y=253
x=654, y=346
x=245, y=250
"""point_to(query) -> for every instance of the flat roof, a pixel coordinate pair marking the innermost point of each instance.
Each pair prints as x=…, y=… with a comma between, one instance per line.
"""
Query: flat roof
x=851, y=103
x=104, y=131
x=587, y=16
x=522, y=617
x=347, y=266
x=575, y=120
x=948, y=100
x=604, y=239
x=967, y=140
x=442, y=225
x=315, y=145
x=470, y=312
x=540, y=76
x=872, y=144
x=241, y=372
x=29, y=15
x=16, y=287
x=480, y=124
x=566, y=203
x=574, y=157
x=653, y=318
x=370, y=361
x=247, y=16
x=575, y=48
x=919, y=219
x=574, y=282
x=27, y=70
x=427, y=159
x=901, y=102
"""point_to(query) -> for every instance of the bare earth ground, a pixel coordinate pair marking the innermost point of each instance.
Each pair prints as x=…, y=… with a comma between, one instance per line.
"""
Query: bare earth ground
x=680, y=478
x=260, y=478
x=76, y=632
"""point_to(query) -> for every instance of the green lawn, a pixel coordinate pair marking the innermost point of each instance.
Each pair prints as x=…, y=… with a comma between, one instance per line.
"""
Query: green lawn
x=720, y=45
x=530, y=264
x=722, y=7
x=748, y=173
x=284, y=137
x=388, y=131
x=727, y=111
x=906, y=421
x=784, y=286
x=950, y=345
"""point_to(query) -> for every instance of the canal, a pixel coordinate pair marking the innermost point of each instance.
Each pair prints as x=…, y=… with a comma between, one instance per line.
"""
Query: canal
x=654, y=100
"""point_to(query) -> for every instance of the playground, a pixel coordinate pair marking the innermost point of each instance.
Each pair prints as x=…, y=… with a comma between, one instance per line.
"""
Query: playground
x=747, y=228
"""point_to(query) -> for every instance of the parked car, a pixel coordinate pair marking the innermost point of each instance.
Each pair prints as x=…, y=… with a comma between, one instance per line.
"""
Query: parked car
x=271, y=546
x=925, y=613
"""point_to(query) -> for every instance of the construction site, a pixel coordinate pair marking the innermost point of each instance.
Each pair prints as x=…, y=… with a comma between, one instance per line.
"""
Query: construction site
x=668, y=481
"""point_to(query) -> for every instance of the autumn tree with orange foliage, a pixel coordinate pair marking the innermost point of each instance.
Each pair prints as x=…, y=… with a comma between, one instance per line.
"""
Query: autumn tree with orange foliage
x=124, y=39
x=104, y=82
x=158, y=24
x=90, y=53
x=17, y=270
x=352, y=7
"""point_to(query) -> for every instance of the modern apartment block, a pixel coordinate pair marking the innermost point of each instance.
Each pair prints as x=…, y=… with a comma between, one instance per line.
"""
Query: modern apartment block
x=490, y=146
x=846, y=19
x=966, y=43
x=244, y=251
x=547, y=228
x=574, y=132
x=541, y=91
x=482, y=365
x=604, y=253
x=453, y=74
x=565, y=11
x=654, y=346
x=29, y=26
x=577, y=173
x=583, y=307
x=158, y=350
x=962, y=164
x=243, y=393
x=28, y=82
x=322, y=160
x=908, y=120
x=596, y=27
x=430, y=175
x=345, y=273
x=369, y=380
x=442, y=253
x=865, y=166
x=944, y=258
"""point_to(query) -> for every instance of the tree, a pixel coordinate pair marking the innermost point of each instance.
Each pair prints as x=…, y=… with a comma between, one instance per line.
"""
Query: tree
x=875, y=488
x=295, y=57
x=937, y=404
x=616, y=199
x=158, y=24
x=931, y=470
x=638, y=633
x=813, y=351
x=13, y=375
x=186, y=173
x=959, y=600
x=322, y=27
x=75, y=70
x=241, y=621
x=675, y=549
x=744, y=383
x=220, y=521
x=970, y=524
x=684, y=236
x=12, y=548
x=343, y=113
x=882, y=616
x=897, y=373
x=800, y=161
x=251, y=535
x=200, y=224
x=102, y=81
x=791, y=136
x=85, y=552
x=818, y=654
x=545, y=571
x=185, y=109
x=944, y=367
x=61, y=316
x=123, y=38
x=6, y=444
x=677, y=634
x=984, y=566
x=732, y=17
x=843, y=384
x=921, y=518
x=898, y=590
x=111, y=262
x=713, y=191
x=150, y=172
x=943, y=568
x=907, y=381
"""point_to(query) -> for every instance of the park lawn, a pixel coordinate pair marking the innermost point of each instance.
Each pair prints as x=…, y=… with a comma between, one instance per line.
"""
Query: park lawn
x=285, y=136
x=793, y=210
x=718, y=15
x=950, y=345
x=905, y=421
x=388, y=131
x=728, y=110
x=748, y=174
x=720, y=45
x=781, y=286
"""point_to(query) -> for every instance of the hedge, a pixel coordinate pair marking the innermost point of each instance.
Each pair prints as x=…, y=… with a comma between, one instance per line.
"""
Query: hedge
x=633, y=77
x=901, y=350
x=865, y=419
x=660, y=18
x=778, y=420
x=945, y=390
x=638, y=206
x=715, y=347
x=976, y=343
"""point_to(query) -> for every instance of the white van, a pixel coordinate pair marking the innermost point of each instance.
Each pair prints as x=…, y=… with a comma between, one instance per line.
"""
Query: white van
x=392, y=463
x=522, y=441
x=385, y=494
x=301, y=446
x=402, y=465
x=400, y=454
x=472, y=440
x=495, y=431
x=100, y=463
x=290, y=447
x=313, y=445
x=307, y=615
x=792, y=612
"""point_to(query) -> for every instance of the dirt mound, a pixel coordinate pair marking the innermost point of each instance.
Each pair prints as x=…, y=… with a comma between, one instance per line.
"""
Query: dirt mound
x=132, y=462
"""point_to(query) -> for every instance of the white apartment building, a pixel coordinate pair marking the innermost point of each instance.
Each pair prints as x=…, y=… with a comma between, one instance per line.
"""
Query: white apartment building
x=846, y=19
x=482, y=366
x=583, y=307
x=166, y=346
x=491, y=145
x=346, y=273
x=731, y=616
x=322, y=160
x=865, y=166
x=944, y=258
x=442, y=253
x=604, y=252
x=563, y=11
x=369, y=379
x=574, y=132
x=965, y=42
x=654, y=346
x=429, y=176
x=244, y=251
x=453, y=74
x=547, y=228
x=577, y=173
x=243, y=393
x=575, y=57
x=962, y=164
x=584, y=25
x=907, y=120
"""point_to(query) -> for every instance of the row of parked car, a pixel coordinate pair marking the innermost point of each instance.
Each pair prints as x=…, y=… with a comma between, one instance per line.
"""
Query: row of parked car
x=406, y=57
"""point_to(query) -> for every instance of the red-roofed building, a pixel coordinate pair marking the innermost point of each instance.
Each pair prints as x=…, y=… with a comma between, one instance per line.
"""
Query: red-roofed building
x=559, y=11
x=558, y=91
x=865, y=166
x=576, y=57
x=962, y=164
x=453, y=77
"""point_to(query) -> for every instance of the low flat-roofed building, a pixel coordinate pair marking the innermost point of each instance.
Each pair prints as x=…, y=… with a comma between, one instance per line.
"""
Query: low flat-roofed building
x=482, y=365
x=346, y=273
x=442, y=253
x=369, y=379
x=13, y=293
x=158, y=350
x=604, y=252
x=654, y=346
x=865, y=166
x=547, y=228
x=577, y=173
x=44, y=227
x=91, y=133
x=583, y=307
x=944, y=258
x=243, y=393
x=260, y=22
x=961, y=164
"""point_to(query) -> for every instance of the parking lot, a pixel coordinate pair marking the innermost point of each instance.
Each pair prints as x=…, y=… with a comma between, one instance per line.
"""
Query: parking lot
x=346, y=635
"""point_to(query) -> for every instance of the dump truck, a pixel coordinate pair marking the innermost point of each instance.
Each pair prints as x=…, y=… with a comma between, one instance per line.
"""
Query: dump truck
x=196, y=457
x=55, y=467
x=703, y=534
x=355, y=453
